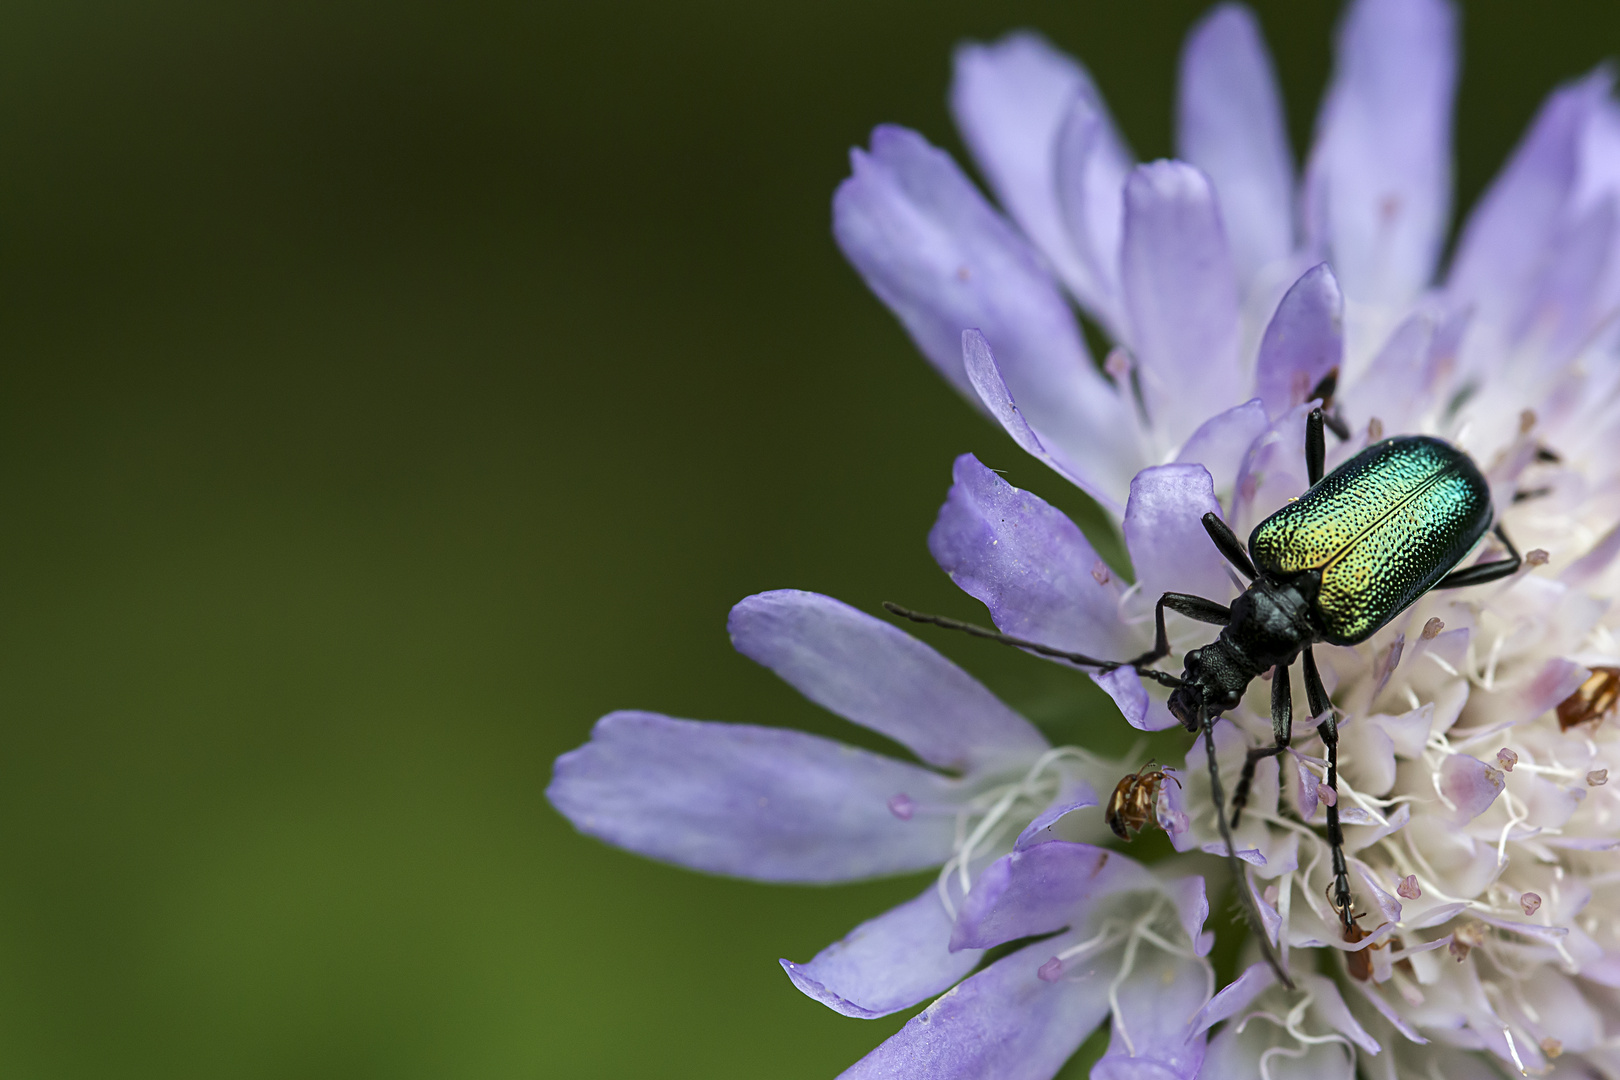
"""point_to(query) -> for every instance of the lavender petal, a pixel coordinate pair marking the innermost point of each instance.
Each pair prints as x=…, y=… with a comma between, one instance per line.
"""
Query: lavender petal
x=877, y=675
x=1028, y=563
x=985, y=376
x=1045, y=888
x=1192, y=908
x=1141, y=710
x=933, y=250
x=1092, y=165
x=888, y=963
x=1378, y=186
x=1235, y=996
x=1221, y=443
x=1010, y=100
x=1165, y=534
x=1504, y=242
x=1303, y=341
x=1181, y=297
x=1076, y=795
x=1153, y=1036
x=1005, y=1023
x=1330, y=1006
x=765, y=803
x=1229, y=123
x=1469, y=785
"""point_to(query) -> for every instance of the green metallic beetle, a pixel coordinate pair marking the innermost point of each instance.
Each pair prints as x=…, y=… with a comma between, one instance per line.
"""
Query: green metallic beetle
x=1333, y=566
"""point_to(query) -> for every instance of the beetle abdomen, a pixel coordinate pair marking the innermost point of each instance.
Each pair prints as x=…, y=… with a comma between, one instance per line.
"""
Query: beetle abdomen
x=1382, y=529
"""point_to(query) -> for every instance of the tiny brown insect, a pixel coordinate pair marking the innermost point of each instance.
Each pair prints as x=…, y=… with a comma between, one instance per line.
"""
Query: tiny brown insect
x=1131, y=808
x=1595, y=699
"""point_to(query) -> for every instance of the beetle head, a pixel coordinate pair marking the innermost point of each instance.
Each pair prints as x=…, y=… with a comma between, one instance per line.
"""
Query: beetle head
x=1210, y=685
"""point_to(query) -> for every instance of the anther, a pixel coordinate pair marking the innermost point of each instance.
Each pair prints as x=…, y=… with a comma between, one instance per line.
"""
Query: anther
x=1375, y=430
x=1118, y=364
x=1432, y=628
x=1408, y=888
x=1527, y=420
x=1536, y=557
x=1507, y=758
x=902, y=806
x=1551, y=1047
x=1051, y=971
x=1466, y=937
x=1597, y=777
x=1328, y=796
x=1100, y=573
x=1530, y=902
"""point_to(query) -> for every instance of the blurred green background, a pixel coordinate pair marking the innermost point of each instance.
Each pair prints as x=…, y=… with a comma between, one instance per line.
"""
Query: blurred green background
x=388, y=391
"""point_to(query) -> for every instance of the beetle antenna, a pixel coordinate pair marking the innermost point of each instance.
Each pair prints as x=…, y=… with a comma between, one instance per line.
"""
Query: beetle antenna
x=1240, y=880
x=1081, y=659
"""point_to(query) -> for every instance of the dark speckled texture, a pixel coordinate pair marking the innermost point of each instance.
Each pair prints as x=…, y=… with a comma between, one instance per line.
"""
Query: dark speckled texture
x=1382, y=529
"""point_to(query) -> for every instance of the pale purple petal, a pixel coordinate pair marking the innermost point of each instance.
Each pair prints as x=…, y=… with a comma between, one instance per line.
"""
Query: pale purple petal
x=1010, y=100
x=1235, y=996
x=1092, y=164
x=1181, y=296
x=1229, y=123
x=765, y=803
x=1273, y=472
x=1251, y=855
x=1379, y=180
x=1141, y=710
x=1469, y=785
x=1192, y=908
x=879, y=676
x=1222, y=441
x=1586, y=569
x=1236, y=1053
x=1388, y=906
x=1557, y=679
x=1076, y=795
x=1164, y=531
x=1045, y=888
x=1566, y=307
x=888, y=963
x=1504, y=244
x=1397, y=388
x=986, y=378
x=933, y=250
x=1153, y=1037
x=1388, y=1012
x=1005, y=1023
x=1028, y=563
x=1332, y=1009
x=1305, y=789
x=1303, y=341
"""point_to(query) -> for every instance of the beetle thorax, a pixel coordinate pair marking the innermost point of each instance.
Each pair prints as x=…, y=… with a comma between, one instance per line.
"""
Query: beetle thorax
x=1270, y=624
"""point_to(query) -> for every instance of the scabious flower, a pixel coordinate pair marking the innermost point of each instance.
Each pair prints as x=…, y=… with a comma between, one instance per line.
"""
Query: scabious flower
x=1475, y=740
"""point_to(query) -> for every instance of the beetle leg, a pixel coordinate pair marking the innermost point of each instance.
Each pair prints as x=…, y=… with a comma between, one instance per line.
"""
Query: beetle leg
x=1328, y=728
x=1239, y=879
x=1229, y=545
x=1323, y=391
x=1194, y=607
x=1282, y=728
x=1480, y=573
x=1315, y=446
